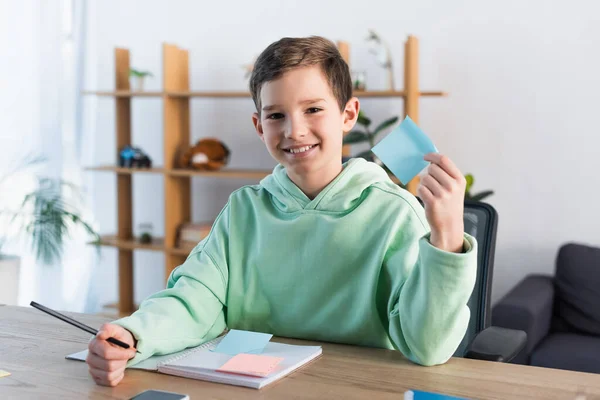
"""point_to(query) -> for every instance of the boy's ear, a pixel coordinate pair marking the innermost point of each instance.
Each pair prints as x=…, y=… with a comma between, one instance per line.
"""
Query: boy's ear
x=351, y=114
x=257, y=125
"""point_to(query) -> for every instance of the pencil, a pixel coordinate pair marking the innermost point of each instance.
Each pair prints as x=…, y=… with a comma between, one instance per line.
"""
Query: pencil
x=78, y=324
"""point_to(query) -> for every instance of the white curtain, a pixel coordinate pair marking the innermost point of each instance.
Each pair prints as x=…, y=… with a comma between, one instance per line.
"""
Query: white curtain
x=41, y=73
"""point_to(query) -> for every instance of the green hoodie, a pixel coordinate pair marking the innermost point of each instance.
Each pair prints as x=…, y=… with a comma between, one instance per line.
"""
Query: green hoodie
x=353, y=265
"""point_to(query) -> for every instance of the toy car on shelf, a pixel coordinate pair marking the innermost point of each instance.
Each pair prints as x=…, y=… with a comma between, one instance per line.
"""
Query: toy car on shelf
x=134, y=157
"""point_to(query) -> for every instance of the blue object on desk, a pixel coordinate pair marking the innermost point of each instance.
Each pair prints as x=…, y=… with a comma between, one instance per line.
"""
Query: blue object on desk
x=403, y=149
x=236, y=342
x=420, y=395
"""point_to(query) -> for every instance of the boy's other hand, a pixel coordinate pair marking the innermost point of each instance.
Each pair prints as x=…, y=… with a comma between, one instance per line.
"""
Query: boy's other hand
x=107, y=361
x=442, y=189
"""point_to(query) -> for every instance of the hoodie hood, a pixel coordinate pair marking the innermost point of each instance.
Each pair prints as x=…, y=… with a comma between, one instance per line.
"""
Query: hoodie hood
x=340, y=195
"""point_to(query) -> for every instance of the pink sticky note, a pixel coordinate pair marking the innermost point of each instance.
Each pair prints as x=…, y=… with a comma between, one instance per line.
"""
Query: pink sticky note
x=251, y=364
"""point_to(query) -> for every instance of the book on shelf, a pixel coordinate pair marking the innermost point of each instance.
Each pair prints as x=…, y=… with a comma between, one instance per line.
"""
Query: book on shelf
x=190, y=233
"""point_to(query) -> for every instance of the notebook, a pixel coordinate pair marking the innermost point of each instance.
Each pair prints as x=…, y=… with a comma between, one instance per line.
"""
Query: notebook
x=204, y=363
x=423, y=395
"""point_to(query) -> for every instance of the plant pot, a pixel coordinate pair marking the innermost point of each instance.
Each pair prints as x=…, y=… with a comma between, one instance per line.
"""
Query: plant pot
x=137, y=84
x=9, y=279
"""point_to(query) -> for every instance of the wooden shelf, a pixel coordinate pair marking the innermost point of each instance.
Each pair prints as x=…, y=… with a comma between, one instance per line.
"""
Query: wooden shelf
x=121, y=170
x=217, y=94
x=234, y=94
x=224, y=173
x=433, y=94
x=123, y=93
x=393, y=93
x=157, y=244
x=185, y=251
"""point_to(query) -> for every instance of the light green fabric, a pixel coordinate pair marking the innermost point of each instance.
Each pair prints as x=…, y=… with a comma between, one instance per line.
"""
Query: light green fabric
x=353, y=265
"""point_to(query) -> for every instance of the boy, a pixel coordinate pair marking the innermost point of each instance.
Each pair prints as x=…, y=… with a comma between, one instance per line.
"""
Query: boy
x=319, y=250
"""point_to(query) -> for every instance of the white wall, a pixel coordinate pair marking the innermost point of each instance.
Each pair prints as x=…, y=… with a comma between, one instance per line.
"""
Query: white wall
x=521, y=114
x=37, y=106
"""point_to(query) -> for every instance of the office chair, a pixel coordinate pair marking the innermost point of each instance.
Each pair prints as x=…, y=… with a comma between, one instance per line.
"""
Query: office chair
x=482, y=341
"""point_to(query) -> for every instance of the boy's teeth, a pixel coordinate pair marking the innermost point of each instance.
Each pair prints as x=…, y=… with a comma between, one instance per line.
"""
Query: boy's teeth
x=300, y=149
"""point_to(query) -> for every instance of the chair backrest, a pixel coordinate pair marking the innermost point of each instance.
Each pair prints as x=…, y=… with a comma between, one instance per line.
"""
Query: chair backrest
x=481, y=222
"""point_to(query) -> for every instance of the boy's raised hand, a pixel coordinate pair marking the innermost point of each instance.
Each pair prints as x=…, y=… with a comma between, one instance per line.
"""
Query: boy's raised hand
x=442, y=189
x=107, y=361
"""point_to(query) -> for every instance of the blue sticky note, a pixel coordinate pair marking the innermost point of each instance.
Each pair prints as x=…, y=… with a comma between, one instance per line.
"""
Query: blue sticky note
x=402, y=150
x=236, y=342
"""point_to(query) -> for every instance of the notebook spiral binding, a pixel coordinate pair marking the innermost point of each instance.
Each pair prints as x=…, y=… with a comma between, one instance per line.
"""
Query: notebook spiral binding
x=203, y=346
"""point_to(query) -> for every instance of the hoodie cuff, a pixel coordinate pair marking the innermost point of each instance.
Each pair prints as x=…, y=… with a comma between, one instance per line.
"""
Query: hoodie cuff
x=144, y=351
x=468, y=242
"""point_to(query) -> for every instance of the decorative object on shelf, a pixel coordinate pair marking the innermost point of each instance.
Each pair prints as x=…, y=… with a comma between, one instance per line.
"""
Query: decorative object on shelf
x=138, y=78
x=383, y=54
x=359, y=80
x=134, y=157
x=208, y=154
x=189, y=234
x=145, y=232
x=475, y=196
x=45, y=216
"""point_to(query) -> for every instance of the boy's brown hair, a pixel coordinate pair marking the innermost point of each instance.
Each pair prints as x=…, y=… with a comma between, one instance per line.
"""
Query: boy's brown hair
x=290, y=53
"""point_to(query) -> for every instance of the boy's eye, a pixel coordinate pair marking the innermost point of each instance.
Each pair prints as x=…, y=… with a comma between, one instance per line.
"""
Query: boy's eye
x=275, y=116
x=313, y=110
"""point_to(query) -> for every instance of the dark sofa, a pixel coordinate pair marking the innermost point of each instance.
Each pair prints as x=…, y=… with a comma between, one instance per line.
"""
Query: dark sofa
x=560, y=313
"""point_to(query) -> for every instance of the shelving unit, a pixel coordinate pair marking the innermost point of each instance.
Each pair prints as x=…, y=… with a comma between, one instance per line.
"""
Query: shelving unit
x=230, y=95
x=224, y=173
x=176, y=96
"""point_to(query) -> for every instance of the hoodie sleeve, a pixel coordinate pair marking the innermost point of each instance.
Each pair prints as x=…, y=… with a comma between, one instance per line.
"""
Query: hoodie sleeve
x=427, y=310
x=190, y=311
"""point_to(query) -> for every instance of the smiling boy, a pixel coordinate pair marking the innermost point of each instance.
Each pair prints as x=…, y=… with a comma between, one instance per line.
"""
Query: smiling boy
x=319, y=249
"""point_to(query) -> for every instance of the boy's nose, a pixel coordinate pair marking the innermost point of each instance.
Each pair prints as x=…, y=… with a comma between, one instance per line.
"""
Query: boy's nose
x=295, y=130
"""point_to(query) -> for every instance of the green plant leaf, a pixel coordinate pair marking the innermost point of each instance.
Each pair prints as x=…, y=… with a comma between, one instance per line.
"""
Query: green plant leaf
x=46, y=214
x=470, y=180
x=363, y=120
x=51, y=219
x=355, y=137
x=384, y=125
x=138, y=73
x=482, y=195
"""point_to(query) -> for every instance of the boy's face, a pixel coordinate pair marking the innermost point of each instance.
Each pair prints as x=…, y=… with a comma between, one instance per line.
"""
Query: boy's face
x=301, y=123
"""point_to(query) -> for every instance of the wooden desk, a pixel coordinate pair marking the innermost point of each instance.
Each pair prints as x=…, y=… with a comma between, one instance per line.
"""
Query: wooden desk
x=33, y=346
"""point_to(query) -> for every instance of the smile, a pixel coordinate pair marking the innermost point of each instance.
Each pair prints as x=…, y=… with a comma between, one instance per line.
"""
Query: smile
x=299, y=150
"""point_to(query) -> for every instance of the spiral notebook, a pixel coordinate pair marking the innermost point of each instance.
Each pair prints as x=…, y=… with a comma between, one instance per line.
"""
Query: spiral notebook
x=202, y=363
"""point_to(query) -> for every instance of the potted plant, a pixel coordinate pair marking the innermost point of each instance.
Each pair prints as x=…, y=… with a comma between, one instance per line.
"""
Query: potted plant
x=45, y=215
x=366, y=135
x=138, y=78
x=475, y=196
